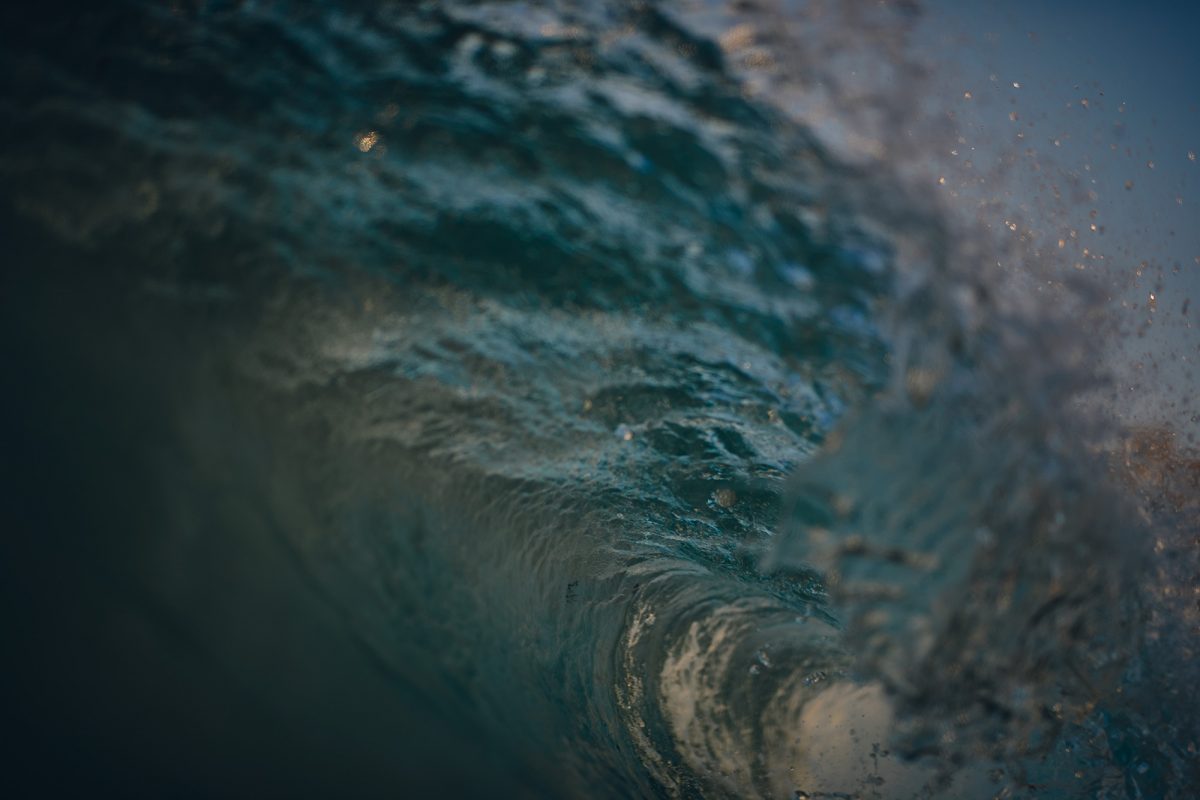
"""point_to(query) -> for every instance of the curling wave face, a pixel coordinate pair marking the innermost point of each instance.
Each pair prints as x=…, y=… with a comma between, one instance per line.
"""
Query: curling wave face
x=492, y=332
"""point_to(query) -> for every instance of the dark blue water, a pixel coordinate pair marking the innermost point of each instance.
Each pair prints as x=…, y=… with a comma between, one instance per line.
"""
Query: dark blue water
x=513, y=399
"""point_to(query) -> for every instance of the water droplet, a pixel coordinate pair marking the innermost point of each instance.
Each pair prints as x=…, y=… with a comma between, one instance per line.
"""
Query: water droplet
x=725, y=498
x=366, y=140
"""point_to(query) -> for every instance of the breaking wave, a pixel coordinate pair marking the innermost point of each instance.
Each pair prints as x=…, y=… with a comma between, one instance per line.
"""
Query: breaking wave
x=557, y=389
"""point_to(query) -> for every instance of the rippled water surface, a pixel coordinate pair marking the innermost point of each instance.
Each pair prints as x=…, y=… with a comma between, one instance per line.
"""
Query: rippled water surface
x=519, y=398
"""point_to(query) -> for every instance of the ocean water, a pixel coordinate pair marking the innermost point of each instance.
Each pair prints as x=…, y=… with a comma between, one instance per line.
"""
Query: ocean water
x=550, y=400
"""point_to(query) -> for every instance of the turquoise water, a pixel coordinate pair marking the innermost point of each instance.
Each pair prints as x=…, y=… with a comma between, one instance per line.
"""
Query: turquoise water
x=463, y=398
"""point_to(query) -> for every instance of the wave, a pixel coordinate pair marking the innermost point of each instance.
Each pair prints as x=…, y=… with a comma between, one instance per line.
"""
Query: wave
x=634, y=430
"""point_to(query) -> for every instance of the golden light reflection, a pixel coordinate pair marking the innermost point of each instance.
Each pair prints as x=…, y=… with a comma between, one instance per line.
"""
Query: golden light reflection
x=365, y=141
x=737, y=38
